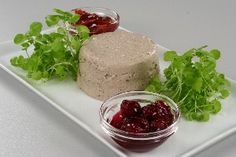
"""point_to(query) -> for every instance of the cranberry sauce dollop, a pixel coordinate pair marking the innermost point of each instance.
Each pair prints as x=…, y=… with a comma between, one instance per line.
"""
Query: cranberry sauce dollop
x=96, y=23
x=136, y=119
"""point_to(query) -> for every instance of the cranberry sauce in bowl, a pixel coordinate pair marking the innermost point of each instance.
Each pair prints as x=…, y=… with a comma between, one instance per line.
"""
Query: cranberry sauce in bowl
x=139, y=120
x=98, y=20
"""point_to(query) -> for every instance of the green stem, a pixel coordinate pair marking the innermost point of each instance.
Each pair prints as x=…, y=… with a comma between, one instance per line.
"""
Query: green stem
x=57, y=64
x=67, y=37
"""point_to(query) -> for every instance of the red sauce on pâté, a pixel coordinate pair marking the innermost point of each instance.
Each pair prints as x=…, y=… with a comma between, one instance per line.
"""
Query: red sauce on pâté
x=97, y=24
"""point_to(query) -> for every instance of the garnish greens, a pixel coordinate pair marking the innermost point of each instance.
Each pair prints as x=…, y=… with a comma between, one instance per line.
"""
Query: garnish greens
x=192, y=81
x=55, y=54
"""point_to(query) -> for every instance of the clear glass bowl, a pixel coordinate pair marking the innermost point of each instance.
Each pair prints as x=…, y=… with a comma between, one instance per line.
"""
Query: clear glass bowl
x=138, y=142
x=101, y=27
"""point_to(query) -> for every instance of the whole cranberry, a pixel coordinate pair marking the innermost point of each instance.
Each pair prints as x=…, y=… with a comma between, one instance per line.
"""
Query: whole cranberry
x=169, y=119
x=130, y=108
x=80, y=12
x=150, y=112
x=135, y=125
x=163, y=109
x=158, y=124
x=117, y=120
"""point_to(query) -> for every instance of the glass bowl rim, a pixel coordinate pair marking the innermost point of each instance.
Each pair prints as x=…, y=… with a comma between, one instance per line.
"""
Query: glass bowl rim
x=117, y=19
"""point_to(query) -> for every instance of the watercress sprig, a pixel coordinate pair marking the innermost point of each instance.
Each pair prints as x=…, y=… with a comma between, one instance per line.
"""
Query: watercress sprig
x=192, y=81
x=55, y=54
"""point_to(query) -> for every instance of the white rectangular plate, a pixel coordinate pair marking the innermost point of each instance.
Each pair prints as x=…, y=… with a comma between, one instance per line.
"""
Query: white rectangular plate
x=66, y=96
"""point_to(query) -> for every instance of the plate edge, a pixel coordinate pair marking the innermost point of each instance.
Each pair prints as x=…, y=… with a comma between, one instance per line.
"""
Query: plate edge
x=209, y=143
x=63, y=111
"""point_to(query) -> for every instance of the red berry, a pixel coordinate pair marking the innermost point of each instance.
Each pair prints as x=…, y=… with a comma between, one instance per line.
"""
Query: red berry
x=80, y=12
x=130, y=108
x=160, y=102
x=150, y=112
x=163, y=109
x=117, y=120
x=158, y=124
x=169, y=119
x=135, y=125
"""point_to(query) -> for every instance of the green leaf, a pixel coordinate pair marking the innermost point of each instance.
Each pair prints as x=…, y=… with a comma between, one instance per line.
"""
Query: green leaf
x=151, y=88
x=83, y=32
x=32, y=63
x=197, y=85
x=201, y=53
x=210, y=64
x=60, y=72
x=45, y=74
x=52, y=20
x=154, y=85
x=216, y=106
x=227, y=82
x=58, y=45
x=57, y=36
x=189, y=54
x=58, y=49
x=35, y=28
x=59, y=11
x=215, y=54
x=170, y=55
x=64, y=15
x=19, y=61
x=25, y=45
x=74, y=18
x=14, y=61
x=225, y=93
x=204, y=117
x=82, y=29
x=36, y=75
x=19, y=38
x=209, y=107
x=76, y=44
x=61, y=30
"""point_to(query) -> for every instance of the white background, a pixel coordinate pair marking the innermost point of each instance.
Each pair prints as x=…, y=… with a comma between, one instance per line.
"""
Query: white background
x=30, y=127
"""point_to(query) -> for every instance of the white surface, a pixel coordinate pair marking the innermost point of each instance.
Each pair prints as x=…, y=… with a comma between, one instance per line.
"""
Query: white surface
x=82, y=109
x=29, y=127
